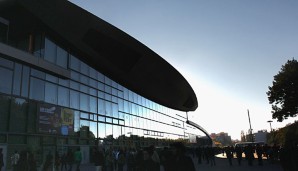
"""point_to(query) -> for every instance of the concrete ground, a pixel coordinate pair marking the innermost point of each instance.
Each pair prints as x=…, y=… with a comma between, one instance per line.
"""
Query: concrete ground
x=222, y=164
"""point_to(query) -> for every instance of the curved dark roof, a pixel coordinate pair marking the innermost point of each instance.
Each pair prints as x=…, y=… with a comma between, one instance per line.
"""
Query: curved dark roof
x=113, y=52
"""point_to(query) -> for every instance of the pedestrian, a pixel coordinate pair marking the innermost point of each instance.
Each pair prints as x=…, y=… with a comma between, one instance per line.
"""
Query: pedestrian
x=69, y=159
x=14, y=159
x=179, y=160
x=98, y=159
x=259, y=151
x=78, y=158
x=239, y=152
x=229, y=154
x=121, y=160
x=148, y=164
x=64, y=162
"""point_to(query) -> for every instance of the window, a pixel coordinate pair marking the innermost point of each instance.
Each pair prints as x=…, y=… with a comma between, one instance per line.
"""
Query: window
x=17, y=80
x=37, y=88
x=18, y=113
x=4, y=112
x=50, y=93
x=74, y=99
x=63, y=96
x=5, y=80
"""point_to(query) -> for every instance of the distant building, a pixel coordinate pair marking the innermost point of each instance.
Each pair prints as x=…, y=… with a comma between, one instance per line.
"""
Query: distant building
x=261, y=136
x=222, y=137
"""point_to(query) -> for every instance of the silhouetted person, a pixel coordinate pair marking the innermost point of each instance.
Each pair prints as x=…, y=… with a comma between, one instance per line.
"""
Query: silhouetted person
x=239, y=152
x=250, y=154
x=179, y=160
x=199, y=154
x=69, y=159
x=98, y=159
x=229, y=154
x=78, y=158
x=259, y=151
x=148, y=164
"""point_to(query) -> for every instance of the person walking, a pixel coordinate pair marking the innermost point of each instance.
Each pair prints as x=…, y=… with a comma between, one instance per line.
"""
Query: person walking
x=15, y=159
x=180, y=161
x=78, y=158
x=98, y=159
x=239, y=152
x=69, y=159
x=229, y=154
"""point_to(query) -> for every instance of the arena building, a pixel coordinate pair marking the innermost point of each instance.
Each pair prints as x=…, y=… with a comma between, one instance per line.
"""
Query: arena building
x=69, y=79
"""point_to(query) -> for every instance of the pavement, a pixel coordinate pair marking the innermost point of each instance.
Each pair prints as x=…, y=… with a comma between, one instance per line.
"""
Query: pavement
x=222, y=164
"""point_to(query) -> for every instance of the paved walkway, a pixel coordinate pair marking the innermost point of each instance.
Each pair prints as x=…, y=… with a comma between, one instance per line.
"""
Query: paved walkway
x=222, y=164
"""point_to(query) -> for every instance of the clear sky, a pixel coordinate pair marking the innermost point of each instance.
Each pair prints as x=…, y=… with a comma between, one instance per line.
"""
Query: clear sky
x=228, y=50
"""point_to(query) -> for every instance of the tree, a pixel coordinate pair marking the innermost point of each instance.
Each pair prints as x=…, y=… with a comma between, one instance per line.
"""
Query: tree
x=283, y=94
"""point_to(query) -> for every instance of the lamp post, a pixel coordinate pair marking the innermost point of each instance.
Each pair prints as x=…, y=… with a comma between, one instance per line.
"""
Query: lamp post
x=270, y=124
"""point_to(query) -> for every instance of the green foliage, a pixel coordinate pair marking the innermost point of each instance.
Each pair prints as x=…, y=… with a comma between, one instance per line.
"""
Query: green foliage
x=285, y=136
x=283, y=94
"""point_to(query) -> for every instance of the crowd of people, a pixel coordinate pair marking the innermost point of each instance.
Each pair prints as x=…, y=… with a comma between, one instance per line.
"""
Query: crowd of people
x=149, y=158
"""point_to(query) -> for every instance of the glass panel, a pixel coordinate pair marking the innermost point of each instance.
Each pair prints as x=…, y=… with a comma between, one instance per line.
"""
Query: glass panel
x=38, y=46
x=84, y=88
x=101, y=118
x=120, y=105
x=92, y=92
x=17, y=79
x=101, y=130
x=108, y=107
x=51, y=78
x=84, y=102
x=5, y=80
x=37, y=73
x=37, y=89
x=115, y=110
x=76, y=121
x=64, y=82
x=101, y=106
x=32, y=116
x=50, y=51
x=75, y=76
x=84, y=68
x=84, y=115
x=101, y=86
x=74, y=85
x=108, y=81
x=4, y=112
x=74, y=99
x=92, y=73
x=74, y=63
x=18, y=112
x=84, y=129
x=100, y=77
x=63, y=96
x=109, y=120
x=61, y=57
x=116, y=131
x=84, y=79
x=101, y=94
x=93, y=104
x=93, y=129
x=6, y=63
x=109, y=130
x=51, y=93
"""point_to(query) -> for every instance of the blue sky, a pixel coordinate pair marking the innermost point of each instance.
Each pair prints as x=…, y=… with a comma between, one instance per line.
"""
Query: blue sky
x=228, y=50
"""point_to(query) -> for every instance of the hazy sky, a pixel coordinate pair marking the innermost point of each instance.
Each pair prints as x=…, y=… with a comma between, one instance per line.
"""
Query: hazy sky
x=228, y=50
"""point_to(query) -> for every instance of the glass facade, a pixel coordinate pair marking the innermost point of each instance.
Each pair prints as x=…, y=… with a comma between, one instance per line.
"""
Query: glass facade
x=40, y=111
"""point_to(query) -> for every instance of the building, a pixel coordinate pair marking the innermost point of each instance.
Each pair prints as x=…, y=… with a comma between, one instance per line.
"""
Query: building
x=261, y=136
x=222, y=137
x=69, y=79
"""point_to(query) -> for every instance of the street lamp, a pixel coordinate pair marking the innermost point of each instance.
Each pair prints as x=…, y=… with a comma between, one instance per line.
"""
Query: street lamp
x=270, y=124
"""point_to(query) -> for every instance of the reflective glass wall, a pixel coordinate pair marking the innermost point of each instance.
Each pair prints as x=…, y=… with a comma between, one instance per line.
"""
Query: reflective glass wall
x=97, y=103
